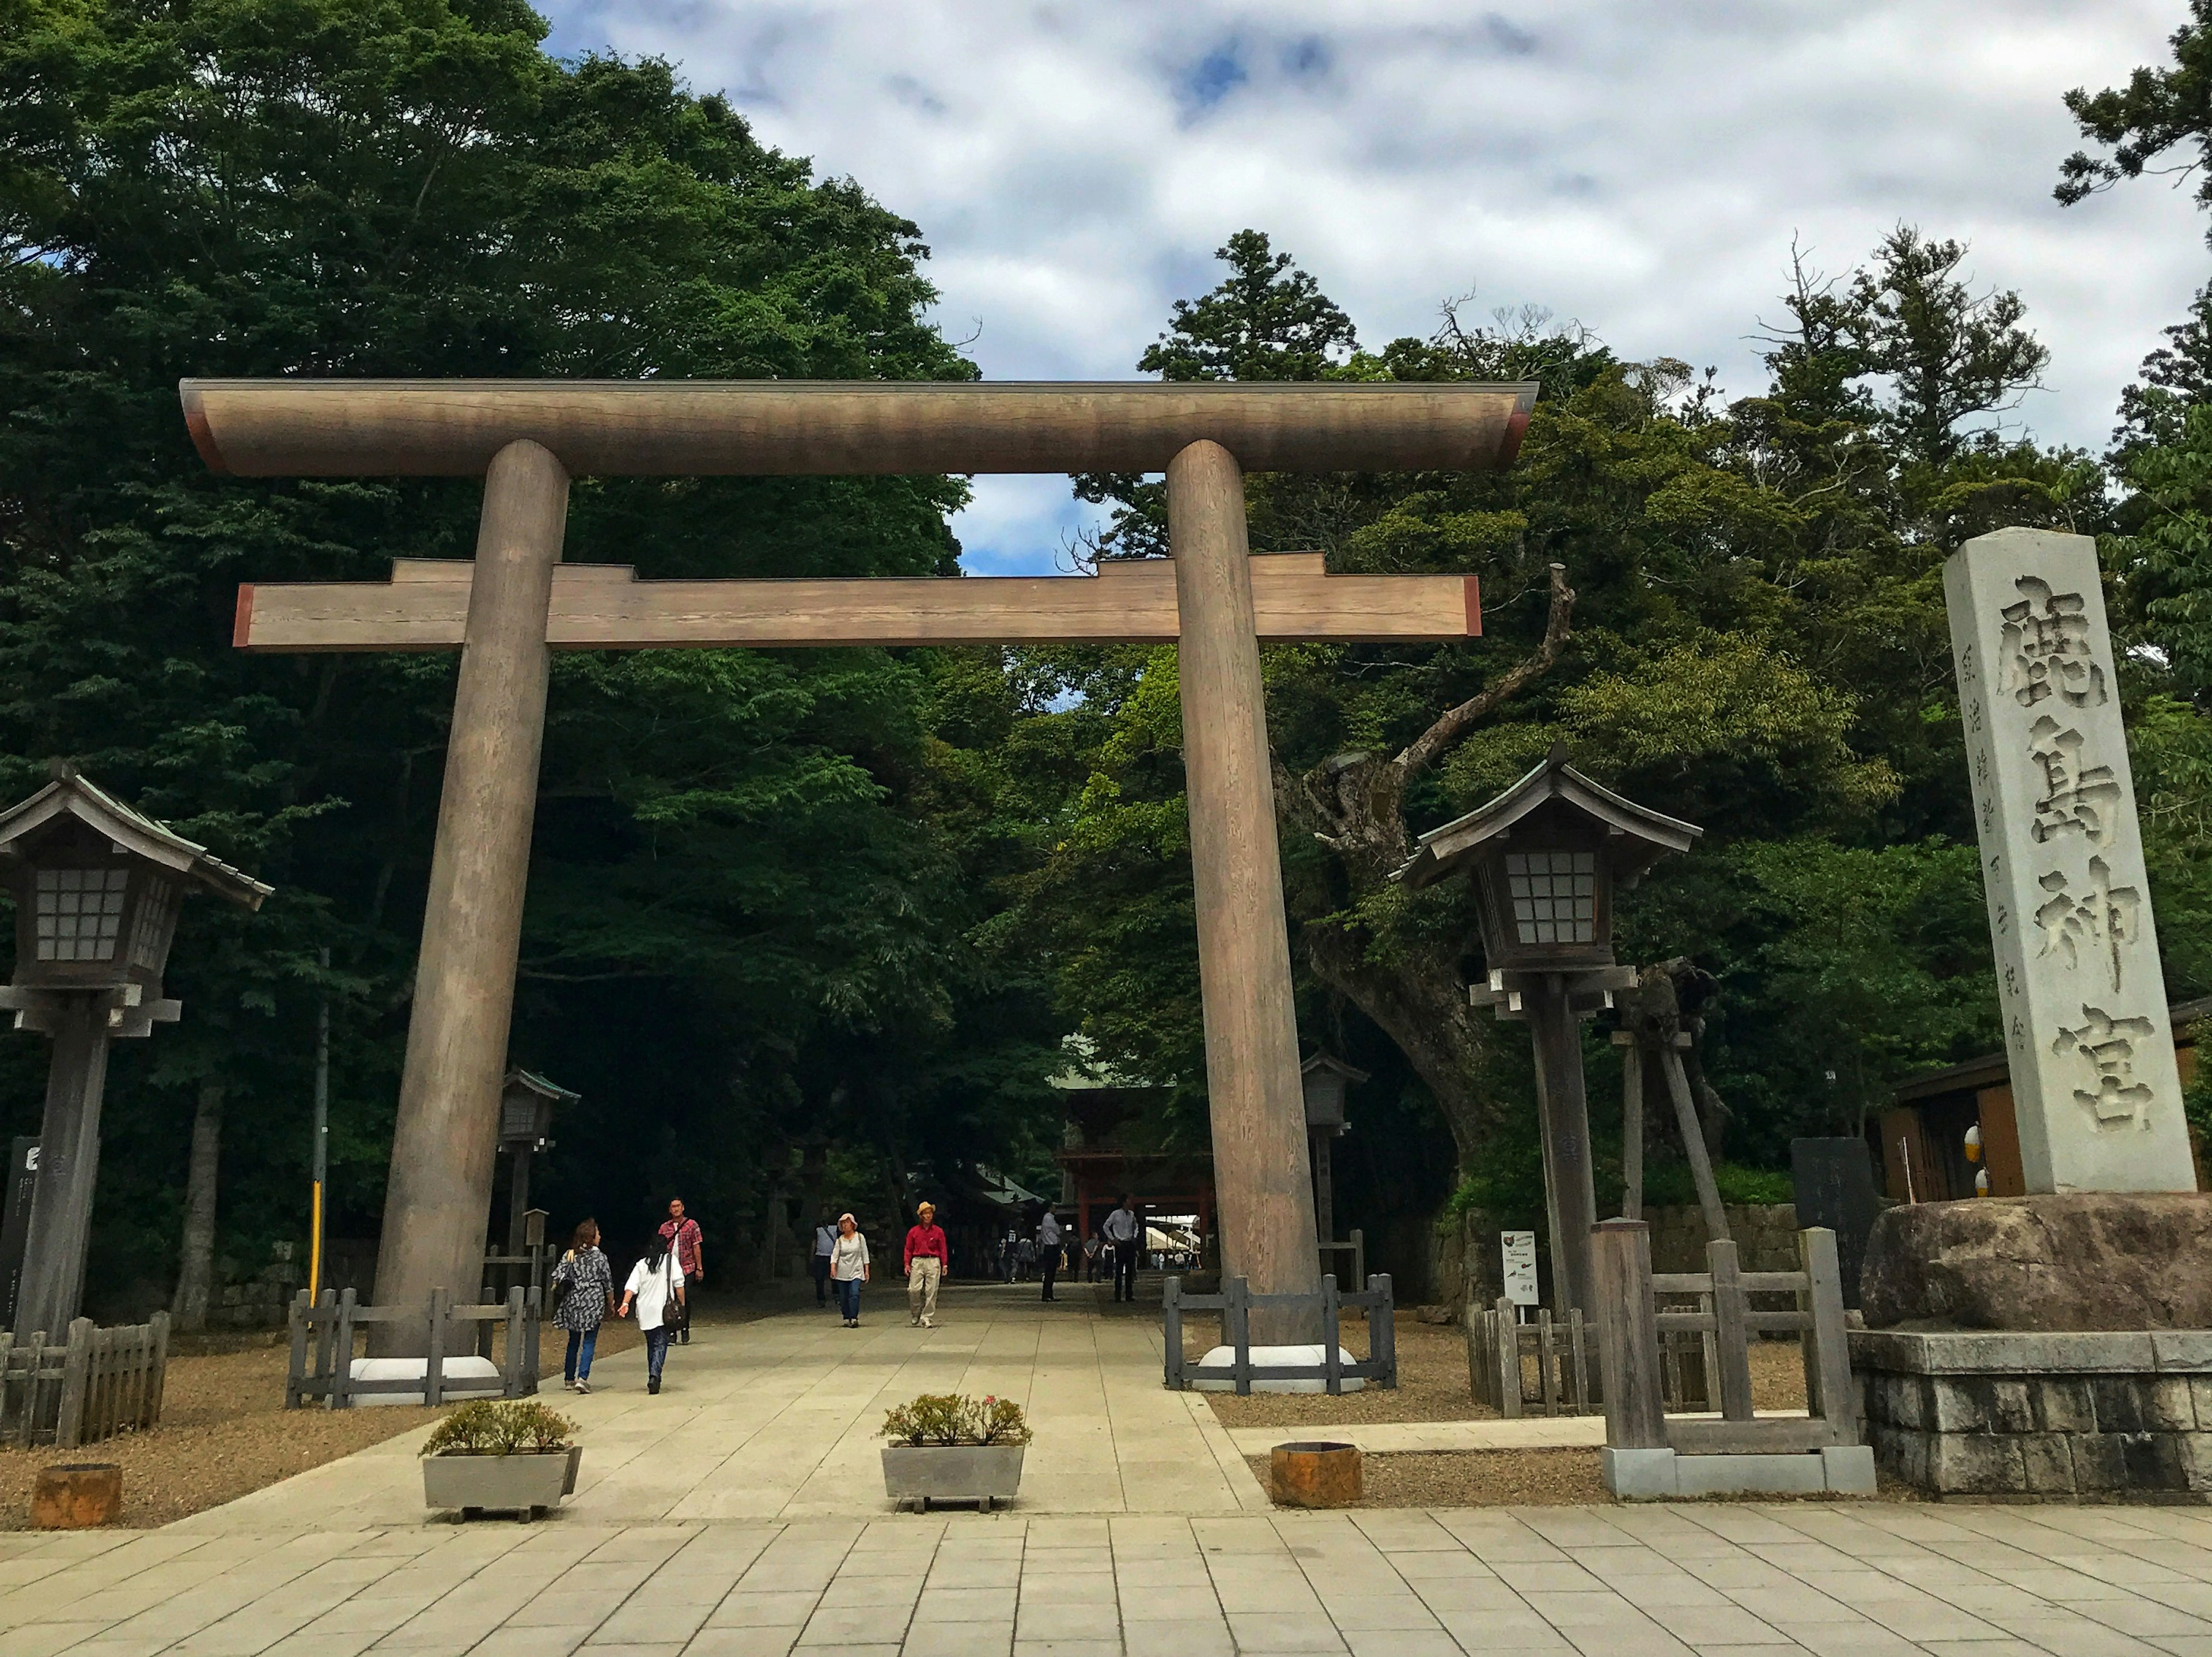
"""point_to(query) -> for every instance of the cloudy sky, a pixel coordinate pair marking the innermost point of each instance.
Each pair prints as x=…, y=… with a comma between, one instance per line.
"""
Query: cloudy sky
x=1639, y=168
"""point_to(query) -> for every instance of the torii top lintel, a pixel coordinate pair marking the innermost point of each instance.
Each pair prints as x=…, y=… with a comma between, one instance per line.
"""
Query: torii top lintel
x=452, y=427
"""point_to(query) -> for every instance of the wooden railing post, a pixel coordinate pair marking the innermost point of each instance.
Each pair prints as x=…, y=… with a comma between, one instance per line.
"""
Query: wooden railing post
x=1628, y=1335
x=1239, y=1310
x=1507, y=1356
x=1332, y=1359
x=161, y=1382
x=1171, y=1310
x=1730, y=1334
x=326, y=1339
x=34, y=1362
x=512, y=1381
x=76, y=1378
x=434, y=1370
x=295, y=1369
x=1383, y=1328
x=1828, y=1389
x=341, y=1392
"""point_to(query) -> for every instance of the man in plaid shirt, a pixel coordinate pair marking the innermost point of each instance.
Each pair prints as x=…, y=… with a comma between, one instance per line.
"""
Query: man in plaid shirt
x=683, y=1240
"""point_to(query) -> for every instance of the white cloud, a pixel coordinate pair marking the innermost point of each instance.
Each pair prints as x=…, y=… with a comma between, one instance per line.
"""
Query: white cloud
x=1639, y=168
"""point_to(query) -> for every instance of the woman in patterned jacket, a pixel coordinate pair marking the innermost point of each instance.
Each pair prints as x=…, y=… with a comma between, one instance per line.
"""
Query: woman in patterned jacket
x=581, y=1284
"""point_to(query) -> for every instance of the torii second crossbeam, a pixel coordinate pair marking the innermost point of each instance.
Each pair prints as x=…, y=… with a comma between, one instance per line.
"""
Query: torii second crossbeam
x=425, y=606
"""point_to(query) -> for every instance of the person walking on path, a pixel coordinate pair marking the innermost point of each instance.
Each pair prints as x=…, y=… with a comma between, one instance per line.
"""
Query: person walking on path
x=1049, y=1250
x=928, y=1263
x=848, y=1268
x=1010, y=1254
x=583, y=1284
x=825, y=1239
x=656, y=1289
x=1123, y=1231
x=682, y=1238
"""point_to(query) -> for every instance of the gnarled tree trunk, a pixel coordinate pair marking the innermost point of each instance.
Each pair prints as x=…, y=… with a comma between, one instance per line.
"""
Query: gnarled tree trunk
x=1354, y=806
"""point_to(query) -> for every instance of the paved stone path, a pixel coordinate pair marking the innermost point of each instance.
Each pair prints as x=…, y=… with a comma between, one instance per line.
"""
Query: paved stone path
x=777, y=1419
x=1868, y=1580
x=740, y=1514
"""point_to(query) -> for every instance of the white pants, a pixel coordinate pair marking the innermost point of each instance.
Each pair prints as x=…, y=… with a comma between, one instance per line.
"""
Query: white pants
x=921, y=1288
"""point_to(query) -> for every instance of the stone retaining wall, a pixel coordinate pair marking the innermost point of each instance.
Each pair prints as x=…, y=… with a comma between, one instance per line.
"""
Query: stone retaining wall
x=2094, y=1416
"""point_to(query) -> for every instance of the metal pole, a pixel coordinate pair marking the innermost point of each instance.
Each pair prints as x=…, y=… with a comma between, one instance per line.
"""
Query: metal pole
x=322, y=1136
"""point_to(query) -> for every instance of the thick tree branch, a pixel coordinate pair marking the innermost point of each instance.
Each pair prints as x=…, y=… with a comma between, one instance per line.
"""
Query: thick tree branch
x=1429, y=746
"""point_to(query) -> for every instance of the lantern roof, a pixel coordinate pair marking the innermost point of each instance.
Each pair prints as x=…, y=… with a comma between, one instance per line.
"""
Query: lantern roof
x=532, y=1082
x=1328, y=1064
x=1636, y=836
x=70, y=795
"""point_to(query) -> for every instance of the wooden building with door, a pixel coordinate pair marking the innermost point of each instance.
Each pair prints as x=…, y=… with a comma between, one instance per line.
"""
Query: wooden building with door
x=1920, y=1142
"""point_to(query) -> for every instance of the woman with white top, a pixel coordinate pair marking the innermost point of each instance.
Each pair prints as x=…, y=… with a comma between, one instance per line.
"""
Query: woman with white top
x=848, y=1268
x=656, y=1285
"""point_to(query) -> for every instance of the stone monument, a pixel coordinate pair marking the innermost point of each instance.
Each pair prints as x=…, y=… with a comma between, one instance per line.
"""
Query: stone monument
x=2055, y=1343
x=2086, y=1036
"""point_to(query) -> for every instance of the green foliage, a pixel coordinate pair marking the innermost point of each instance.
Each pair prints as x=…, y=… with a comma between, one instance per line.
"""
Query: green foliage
x=955, y=1418
x=500, y=1426
x=746, y=930
x=1671, y=1184
x=2196, y=1097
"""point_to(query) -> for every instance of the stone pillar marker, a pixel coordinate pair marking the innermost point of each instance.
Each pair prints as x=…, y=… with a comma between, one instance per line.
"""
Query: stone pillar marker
x=2088, y=1037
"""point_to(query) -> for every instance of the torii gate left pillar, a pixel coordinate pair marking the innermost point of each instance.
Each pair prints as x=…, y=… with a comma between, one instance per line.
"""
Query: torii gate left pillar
x=528, y=438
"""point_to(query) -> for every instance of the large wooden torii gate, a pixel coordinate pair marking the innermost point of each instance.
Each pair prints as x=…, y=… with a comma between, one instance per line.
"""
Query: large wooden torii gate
x=505, y=611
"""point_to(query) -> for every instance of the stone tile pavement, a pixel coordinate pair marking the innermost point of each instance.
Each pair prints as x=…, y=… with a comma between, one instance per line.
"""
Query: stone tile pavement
x=1863, y=1580
x=777, y=1419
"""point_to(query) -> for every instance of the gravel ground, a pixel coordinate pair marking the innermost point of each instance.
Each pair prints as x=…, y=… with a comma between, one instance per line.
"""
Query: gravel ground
x=1474, y=1478
x=1432, y=1382
x=225, y=1431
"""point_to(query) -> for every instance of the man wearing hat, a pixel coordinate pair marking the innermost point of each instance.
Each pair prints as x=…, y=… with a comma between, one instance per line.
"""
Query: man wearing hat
x=927, y=1260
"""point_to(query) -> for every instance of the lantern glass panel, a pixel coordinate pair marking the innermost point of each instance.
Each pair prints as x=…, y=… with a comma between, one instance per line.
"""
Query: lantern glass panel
x=156, y=924
x=78, y=912
x=1554, y=896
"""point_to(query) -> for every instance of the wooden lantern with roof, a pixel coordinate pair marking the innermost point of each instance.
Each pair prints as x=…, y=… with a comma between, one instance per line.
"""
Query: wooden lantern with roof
x=97, y=888
x=1548, y=857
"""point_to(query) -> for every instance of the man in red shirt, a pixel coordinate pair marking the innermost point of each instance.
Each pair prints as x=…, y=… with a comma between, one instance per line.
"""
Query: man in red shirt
x=684, y=1239
x=927, y=1261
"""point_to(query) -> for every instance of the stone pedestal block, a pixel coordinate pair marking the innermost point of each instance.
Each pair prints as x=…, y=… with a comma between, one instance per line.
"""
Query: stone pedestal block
x=2089, y=1416
x=2104, y=1260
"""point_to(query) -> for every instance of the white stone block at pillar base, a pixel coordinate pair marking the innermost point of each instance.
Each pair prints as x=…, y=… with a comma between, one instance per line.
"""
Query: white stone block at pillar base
x=2096, y=1089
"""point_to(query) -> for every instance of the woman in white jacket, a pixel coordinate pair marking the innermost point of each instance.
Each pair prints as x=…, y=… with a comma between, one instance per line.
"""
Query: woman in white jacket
x=848, y=1268
x=656, y=1287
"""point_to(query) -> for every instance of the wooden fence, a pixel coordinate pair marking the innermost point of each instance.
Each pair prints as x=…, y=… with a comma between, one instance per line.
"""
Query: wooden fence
x=1235, y=1303
x=99, y=1383
x=323, y=1341
x=1499, y=1346
x=1633, y=1328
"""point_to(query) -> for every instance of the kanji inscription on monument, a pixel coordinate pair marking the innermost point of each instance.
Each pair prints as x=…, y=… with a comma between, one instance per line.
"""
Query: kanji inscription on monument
x=2086, y=1033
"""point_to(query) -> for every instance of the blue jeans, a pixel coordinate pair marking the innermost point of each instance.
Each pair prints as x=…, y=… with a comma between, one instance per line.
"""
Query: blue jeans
x=578, y=1364
x=656, y=1348
x=848, y=1296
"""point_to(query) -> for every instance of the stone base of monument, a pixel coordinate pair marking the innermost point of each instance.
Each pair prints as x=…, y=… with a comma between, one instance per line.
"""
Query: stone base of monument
x=1214, y=1373
x=1669, y=1476
x=2041, y=1347
x=2100, y=1416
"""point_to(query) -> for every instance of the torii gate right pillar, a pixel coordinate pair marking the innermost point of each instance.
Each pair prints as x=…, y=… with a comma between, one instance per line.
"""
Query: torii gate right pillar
x=1253, y=1091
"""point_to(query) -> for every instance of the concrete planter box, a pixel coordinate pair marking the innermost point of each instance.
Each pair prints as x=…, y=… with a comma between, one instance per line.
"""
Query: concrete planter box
x=2079, y=1416
x=513, y=1484
x=982, y=1473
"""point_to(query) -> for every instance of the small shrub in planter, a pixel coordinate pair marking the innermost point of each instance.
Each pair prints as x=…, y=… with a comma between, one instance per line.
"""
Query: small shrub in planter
x=507, y=1454
x=952, y=1448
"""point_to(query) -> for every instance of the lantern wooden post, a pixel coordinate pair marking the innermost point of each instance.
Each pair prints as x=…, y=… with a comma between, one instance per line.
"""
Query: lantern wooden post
x=1569, y=1187
x=68, y=1165
x=445, y=1140
x=1253, y=1091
